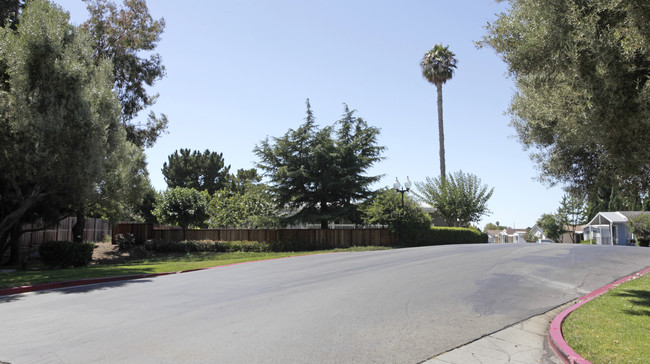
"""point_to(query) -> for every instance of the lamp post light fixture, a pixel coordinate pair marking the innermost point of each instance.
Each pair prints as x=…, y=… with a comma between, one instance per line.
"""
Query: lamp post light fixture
x=398, y=187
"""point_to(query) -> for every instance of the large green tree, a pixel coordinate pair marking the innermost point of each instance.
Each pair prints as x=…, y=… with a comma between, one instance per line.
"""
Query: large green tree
x=460, y=198
x=438, y=66
x=553, y=226
x=59, y=120
x=202, y=171
x=320, y=173
x=249, y=207
x=181, y=206
x=402, y=216
x=128, y=36
x=581, y=69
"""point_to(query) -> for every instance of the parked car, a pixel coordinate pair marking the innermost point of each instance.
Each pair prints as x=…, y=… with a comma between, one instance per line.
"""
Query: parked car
x=539, y=241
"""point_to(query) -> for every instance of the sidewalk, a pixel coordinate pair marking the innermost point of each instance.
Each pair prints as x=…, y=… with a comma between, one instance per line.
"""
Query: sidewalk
x=522, y=343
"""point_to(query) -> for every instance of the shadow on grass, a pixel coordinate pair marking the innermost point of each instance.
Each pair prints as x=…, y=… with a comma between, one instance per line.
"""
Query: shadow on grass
x=639, y=298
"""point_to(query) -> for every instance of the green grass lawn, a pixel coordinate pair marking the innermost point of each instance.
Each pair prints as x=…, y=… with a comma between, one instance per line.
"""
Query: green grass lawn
x=161, y=264
x=615, y=327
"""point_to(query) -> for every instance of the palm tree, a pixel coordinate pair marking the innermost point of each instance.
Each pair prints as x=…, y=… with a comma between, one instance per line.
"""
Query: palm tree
x=438, y=67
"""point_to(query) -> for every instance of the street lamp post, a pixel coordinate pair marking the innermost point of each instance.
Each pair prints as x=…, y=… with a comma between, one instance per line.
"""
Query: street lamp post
x=398, y=187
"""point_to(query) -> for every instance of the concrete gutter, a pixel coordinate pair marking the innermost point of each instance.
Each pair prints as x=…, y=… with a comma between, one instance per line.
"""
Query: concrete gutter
x=555, y=338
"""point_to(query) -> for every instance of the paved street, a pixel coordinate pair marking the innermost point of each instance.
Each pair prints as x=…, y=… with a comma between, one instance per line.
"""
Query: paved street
x=399, y=306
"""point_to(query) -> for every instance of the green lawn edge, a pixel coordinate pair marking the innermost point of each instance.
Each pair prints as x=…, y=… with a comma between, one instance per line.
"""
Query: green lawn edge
x=162, y=264
x=613, y=328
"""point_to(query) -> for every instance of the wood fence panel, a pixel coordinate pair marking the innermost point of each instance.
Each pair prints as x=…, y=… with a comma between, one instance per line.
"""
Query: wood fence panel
x=327, y=238
x=36, y=233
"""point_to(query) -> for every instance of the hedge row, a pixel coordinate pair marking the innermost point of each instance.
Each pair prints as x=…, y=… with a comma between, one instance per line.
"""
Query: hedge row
x=190, y=246
x=448, y=235
x=433, y=236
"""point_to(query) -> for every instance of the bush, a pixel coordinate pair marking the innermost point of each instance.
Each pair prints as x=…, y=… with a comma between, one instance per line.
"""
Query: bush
x=297, y=246
x=125, y=241
x=66, y=253
x=450, y=235
x=640, y=226
x=191, y=246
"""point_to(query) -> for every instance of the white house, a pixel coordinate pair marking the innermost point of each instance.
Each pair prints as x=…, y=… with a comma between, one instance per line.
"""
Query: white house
x=508, y=235
x=611, y=228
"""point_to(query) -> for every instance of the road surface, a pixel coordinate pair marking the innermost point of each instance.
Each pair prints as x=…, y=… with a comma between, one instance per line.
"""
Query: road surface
x=398, y=306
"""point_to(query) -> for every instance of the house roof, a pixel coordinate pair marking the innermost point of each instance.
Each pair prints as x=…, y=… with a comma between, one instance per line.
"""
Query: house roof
x=615, y=217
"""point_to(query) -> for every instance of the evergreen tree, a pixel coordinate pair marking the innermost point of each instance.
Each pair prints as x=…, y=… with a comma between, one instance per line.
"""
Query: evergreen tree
x=320, y=173
x=123, y=35
x=572, y=213
x=192, y=169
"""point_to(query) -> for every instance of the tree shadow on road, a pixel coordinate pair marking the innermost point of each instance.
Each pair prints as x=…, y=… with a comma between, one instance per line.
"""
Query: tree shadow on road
x=75, y=289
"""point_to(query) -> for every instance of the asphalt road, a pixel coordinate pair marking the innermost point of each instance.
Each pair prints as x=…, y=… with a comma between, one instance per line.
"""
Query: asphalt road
x=399, y=306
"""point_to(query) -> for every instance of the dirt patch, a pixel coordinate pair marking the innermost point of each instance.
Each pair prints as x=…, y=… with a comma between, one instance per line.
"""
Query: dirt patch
x=108, y=253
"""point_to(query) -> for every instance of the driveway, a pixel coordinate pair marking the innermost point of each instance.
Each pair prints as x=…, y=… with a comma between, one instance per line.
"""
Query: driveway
x=399, y=306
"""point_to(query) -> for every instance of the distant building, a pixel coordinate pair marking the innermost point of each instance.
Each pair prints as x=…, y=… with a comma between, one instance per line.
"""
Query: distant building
x=611, y=228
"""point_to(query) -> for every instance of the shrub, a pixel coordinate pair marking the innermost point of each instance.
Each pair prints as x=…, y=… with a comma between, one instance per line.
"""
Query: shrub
x=66, y=253
x=125, y=241
x=640, y=226
x=191, y=246
x=297, y=246
x=451, y=235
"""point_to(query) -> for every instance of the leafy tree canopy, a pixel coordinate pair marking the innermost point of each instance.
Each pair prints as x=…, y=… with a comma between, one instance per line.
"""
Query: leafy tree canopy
x=202, y=171
x=181, y=206
x=493, y=226
x=251, y=208
x=59, y=120
x=460, y=198
x=124, y=35
x=640, y=226
x=386, y=209
x=553, y=226
x=320, y=173
x=581, y=69
x=9, y=10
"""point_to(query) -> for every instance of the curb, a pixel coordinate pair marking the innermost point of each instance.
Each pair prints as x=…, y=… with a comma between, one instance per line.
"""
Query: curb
x=83, y=282
x=555, y=338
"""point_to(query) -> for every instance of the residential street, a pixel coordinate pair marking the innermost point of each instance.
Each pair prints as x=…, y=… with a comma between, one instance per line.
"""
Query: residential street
x=398, y=306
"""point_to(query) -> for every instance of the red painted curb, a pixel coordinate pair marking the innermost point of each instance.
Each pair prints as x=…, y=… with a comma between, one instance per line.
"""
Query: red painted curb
x=82, y=282
x=555, y=338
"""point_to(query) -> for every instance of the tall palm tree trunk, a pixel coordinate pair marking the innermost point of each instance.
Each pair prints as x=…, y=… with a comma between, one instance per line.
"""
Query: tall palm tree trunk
x=441, y=133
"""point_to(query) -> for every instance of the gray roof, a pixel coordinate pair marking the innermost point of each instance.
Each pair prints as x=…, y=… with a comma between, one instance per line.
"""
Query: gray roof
x=615, y=217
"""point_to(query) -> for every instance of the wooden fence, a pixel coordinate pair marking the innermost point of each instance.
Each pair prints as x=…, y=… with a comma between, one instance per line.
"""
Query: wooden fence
x=334, y=238
x=35, y=234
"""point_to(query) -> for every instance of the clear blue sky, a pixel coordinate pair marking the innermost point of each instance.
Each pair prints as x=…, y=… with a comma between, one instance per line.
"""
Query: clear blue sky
x=238, y=71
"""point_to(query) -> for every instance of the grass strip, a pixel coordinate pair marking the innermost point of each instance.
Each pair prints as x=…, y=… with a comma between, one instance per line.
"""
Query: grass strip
x=613, y=328
x=159, y=264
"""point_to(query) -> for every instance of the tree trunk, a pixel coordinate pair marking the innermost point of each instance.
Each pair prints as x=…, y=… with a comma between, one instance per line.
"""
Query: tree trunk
x=441, y=135
x=78, y=227
x=14, y=241
x=324, y=224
